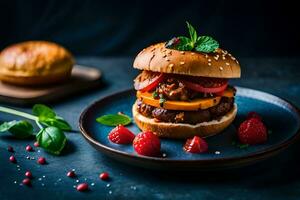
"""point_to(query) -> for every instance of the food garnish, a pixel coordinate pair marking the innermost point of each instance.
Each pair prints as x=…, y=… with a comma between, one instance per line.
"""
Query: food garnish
x=147, y=144
x=205, y=44
x=121, y=135
x=50, y=136
x=252, y=131
x=195, y=145
x=114, y=119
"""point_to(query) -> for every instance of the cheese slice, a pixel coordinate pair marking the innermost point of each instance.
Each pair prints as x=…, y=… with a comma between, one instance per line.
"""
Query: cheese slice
x=196, y=104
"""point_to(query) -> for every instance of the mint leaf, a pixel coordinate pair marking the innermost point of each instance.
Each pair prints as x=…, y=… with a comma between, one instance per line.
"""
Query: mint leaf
x=114, y=120
x=20, y=129
x=52, y=139
x=41, y=110
x=185, y=44
x=193, y=33
x=206, y=44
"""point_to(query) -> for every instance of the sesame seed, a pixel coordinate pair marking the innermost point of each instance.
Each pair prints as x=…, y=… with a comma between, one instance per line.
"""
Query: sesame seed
x=182, y=52
x=193, y=53
x=182, y=63
x=217, y=152
x=152, y=49
x=164, y=56
x=167, y=59
x=221, y=68
x=223, y=58
x=171, y=65
x=206, y=56
x=232, y=58
x=216, y=58
x=227, y=64
x=209, y=60
x=209, y=64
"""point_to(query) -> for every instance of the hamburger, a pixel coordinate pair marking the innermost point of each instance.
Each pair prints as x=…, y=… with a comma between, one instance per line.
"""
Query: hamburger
x=183, y=89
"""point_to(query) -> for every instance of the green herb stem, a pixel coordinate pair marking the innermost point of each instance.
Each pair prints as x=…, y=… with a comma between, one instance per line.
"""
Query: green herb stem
x=38, y=124
x=19, y=113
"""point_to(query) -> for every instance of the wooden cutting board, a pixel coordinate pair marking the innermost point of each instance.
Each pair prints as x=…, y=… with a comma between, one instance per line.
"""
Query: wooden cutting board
x=82, y=78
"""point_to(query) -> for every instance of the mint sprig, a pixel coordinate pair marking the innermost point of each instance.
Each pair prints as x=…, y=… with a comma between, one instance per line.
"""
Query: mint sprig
x=205, y=44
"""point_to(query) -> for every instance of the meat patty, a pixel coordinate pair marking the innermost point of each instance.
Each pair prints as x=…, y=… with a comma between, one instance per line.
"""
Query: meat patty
x=190, y=117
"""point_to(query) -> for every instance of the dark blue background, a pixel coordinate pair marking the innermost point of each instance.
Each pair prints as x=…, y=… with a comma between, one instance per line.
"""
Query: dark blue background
x=115, y=27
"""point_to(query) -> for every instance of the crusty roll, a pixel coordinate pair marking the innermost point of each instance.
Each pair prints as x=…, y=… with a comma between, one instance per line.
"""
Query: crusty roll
x=35, y=63
x=180, y=130
x=158, y=58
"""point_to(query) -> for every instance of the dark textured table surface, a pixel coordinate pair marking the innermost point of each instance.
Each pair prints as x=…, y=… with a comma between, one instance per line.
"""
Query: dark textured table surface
x=275, y=178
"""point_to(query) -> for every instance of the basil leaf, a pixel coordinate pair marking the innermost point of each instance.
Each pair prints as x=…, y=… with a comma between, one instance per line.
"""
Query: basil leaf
x=114, y=120
x=42, y=110
x=5, y=126
x=206, y=44
x=185, y=44
x=57, y=122
x=52, y=139
x=48, y=117
x=193, y=33
x=20, y=129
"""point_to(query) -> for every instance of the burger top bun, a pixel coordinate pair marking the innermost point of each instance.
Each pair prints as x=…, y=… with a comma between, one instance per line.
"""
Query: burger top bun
x=35, y=62
x=158, y=58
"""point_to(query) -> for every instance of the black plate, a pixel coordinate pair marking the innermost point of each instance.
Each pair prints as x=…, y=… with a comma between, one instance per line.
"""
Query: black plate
x=285, y=131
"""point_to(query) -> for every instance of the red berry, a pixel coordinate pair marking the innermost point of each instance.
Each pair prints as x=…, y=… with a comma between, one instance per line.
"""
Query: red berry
x=41, y=160
x=147, y=144
x=10, y=149
x=28, y=148
x=82, y=187
x=36, y=144
x=254, y=115
x=121, y=135
x=26, y=181
x=12, y=159
x=28, y=174
x=195, y=145
x=252, y=131
x=104, y=176
x=71, y=174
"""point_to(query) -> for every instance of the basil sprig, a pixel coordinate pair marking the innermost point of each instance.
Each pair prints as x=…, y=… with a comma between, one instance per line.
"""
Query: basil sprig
x=48, y=117
x=50, y=136
x=205, y=44
x=114, y=119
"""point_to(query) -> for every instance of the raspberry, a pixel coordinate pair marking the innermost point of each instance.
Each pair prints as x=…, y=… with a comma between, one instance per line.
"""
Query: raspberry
x=121, y=135
x=254, y=115
x=252, y=131
x=147, y=144
x=195, y=145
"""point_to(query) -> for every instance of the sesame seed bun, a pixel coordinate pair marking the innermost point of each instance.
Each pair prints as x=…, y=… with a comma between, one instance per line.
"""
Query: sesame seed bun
x=181, y=130
x=158, y=58
x=35, y=63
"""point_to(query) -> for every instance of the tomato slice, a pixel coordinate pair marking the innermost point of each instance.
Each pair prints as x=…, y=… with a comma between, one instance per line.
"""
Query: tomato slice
x=207, y=85
x=148, y=81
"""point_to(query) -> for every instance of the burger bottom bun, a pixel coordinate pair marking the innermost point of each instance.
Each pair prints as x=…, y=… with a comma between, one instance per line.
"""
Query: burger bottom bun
x=180, y=130
x=36, y=80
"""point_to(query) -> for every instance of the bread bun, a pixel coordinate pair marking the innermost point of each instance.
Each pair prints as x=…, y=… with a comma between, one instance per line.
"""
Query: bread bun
x=158, y=58
x=35, y=63
x=181, y=130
